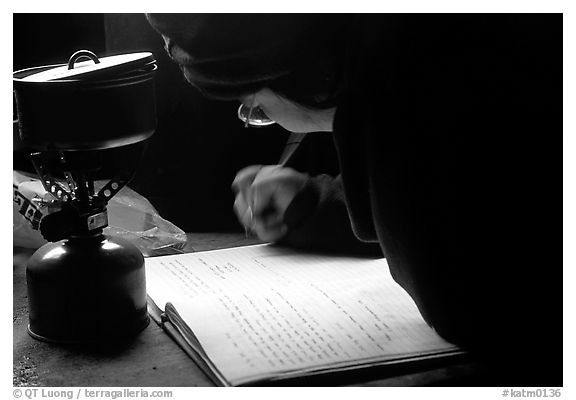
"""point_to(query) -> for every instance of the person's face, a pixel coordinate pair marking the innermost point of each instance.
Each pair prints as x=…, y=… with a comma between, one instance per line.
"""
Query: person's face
x=291, y=116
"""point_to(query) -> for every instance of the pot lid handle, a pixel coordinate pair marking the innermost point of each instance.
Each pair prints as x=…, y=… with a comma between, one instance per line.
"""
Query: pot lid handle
x=82, y=54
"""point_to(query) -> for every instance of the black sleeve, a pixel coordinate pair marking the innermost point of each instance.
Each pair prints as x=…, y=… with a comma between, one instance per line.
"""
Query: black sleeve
x=463, y=176
x=318, y=220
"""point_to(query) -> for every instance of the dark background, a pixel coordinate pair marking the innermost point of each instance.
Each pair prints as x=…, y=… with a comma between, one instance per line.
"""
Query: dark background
x=199, y=145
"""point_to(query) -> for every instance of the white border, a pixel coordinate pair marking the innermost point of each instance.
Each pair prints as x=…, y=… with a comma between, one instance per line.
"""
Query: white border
x=309, y=6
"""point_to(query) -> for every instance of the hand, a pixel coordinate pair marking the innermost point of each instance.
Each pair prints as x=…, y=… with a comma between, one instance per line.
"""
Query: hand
x=263, y=193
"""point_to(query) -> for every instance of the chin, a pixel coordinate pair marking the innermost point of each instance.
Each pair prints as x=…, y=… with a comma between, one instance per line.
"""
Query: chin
x=296, y=128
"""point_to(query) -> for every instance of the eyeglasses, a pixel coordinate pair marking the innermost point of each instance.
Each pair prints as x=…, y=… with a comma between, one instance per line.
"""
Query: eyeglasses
x=253, y=116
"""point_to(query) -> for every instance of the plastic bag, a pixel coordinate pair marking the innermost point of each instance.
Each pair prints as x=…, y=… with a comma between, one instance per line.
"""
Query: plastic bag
x=130, y=216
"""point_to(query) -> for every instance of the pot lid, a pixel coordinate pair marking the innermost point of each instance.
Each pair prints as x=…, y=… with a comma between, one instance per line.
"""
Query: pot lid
x=94, y=68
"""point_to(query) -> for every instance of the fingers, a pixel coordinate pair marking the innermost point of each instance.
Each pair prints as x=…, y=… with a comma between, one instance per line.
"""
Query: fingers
x=270, y=233
x=263, y=194
x=275, y=187
x=245, y=177
x=243, y=211
x=268, y=226
x=241, y=185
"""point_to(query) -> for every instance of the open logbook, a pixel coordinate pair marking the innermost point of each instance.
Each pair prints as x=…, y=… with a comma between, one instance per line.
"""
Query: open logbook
x=263, y=313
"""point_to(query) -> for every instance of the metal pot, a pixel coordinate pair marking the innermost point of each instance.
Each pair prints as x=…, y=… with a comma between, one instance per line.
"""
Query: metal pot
x=87, y=108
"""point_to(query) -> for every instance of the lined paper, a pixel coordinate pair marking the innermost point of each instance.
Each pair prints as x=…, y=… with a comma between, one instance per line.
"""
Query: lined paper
x=261, y=310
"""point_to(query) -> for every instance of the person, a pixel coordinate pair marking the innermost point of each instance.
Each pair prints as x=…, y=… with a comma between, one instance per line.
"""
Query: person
x=448, y=134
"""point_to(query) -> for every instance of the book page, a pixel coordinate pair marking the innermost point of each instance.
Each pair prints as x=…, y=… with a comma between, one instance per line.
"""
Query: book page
x=262, y=310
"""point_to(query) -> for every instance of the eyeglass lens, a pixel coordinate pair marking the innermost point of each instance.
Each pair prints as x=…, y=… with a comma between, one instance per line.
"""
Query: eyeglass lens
x=253, y=116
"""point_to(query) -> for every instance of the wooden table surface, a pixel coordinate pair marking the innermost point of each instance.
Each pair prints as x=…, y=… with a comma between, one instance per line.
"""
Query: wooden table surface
x=152, y=359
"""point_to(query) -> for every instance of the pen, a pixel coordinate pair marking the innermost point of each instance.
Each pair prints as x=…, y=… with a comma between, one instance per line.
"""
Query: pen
x=290, y=148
